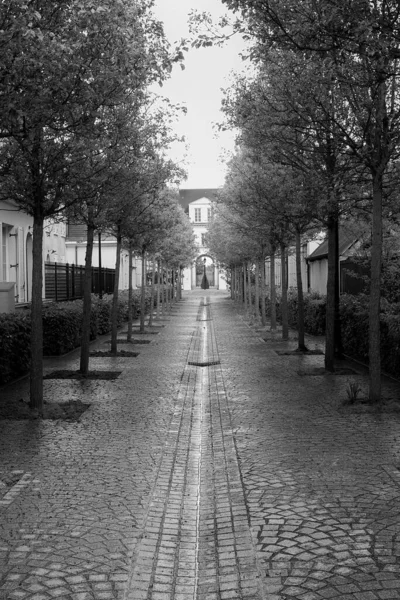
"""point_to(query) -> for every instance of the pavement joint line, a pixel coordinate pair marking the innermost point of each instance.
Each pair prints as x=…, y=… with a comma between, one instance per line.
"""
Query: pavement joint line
x=183, y=461
x=16, y=489
x=218, y=442
x=188, y=385
x=319, y=483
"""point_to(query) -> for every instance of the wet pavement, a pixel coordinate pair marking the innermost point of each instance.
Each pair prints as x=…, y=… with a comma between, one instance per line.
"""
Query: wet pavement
x=209, y=470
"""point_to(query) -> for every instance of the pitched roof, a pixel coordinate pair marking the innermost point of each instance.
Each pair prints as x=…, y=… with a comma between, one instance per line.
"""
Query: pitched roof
x=186, y=196
x=346, y=239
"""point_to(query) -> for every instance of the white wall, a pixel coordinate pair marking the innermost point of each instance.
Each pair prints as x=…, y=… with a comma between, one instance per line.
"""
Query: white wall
x=54, y=236
x=15, y=253
x=204, y=206
x=318, y=270
x=76, y=251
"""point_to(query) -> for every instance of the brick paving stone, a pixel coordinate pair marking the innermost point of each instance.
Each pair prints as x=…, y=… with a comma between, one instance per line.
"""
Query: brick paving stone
x=236, y=480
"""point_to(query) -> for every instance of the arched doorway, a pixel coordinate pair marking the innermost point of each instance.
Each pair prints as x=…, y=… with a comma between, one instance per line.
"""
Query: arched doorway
x=209, y=269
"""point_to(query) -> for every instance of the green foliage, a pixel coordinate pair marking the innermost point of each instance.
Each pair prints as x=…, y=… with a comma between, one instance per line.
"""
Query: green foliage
x=62, y=329
x=15, y=332
x=314, y=312
x=353, y=391
x=354, y=326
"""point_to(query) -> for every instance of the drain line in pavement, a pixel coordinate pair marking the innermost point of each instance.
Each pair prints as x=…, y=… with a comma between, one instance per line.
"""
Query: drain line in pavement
x=197, y=494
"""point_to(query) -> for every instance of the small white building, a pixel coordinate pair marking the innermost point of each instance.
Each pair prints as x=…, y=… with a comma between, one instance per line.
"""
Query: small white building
x=318, y=260
x=16, y=251
x=54, y=237
x=16, y=240
x=104, y=251
x=198, y=204
x=307, y=248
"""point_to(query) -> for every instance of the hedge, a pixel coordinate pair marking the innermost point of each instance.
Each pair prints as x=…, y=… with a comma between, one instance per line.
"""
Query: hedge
x=62, y=329
x=15, y=332
x=354, y=325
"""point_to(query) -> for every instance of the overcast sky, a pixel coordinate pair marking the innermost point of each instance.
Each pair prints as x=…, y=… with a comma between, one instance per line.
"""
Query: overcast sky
x=199, y=88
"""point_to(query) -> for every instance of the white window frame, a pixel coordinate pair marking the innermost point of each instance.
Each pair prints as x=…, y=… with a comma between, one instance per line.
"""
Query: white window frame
x=197, y=215
x=4, y=252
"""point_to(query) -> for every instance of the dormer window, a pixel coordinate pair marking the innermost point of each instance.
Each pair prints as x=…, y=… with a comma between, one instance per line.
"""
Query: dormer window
x=197, y=215
x=208, y=214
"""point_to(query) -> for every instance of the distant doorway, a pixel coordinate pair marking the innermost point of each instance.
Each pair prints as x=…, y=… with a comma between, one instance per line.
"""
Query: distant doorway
x=210, y=271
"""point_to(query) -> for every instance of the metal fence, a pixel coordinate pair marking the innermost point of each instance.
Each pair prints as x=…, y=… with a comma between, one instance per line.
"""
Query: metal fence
x=65, y=282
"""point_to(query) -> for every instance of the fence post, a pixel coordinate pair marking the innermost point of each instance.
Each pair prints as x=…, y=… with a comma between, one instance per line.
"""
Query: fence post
x=55, y=281
x=73, y=280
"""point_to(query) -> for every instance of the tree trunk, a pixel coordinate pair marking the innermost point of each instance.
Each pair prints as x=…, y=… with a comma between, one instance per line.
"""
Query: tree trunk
x=100, y=268
x=263, y=312
x=163, y=288
x=179, y=284
x=333, y=224
x=284, y=307
x=245, y=286
x=272, y=290
x=338, y=329
x=143, y=292
x=114, y=308
x=158, y=290
x=36, y=369
x=130, y=295
x=170, y=290
x=375, y=293
x=249, y=289
x=167, y=289
x=242, y=290
x=257, y=291
x=87, y=301
x=300, y=297
x=152, y=292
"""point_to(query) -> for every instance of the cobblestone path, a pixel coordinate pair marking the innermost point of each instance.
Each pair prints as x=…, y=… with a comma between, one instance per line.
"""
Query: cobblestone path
x=210, y=470
x=197, y=542
x=322, y=483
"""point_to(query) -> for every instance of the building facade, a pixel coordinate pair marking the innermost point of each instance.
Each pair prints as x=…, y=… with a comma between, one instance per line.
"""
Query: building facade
x=16, y=228
x=198, y=204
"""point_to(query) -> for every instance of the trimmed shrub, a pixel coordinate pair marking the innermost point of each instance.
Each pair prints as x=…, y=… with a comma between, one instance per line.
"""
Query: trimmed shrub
x=62, y=329
x=314, y=312
x=15, y=331
x=354, y=325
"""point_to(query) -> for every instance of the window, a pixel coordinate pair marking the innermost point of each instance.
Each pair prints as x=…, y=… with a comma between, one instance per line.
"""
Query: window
x=208, y=214
x=197, y=215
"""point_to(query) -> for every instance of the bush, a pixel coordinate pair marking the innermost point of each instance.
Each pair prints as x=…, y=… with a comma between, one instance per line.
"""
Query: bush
x=314, y=311
x=62, y=329
x=354, y=325
x=15, y=331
